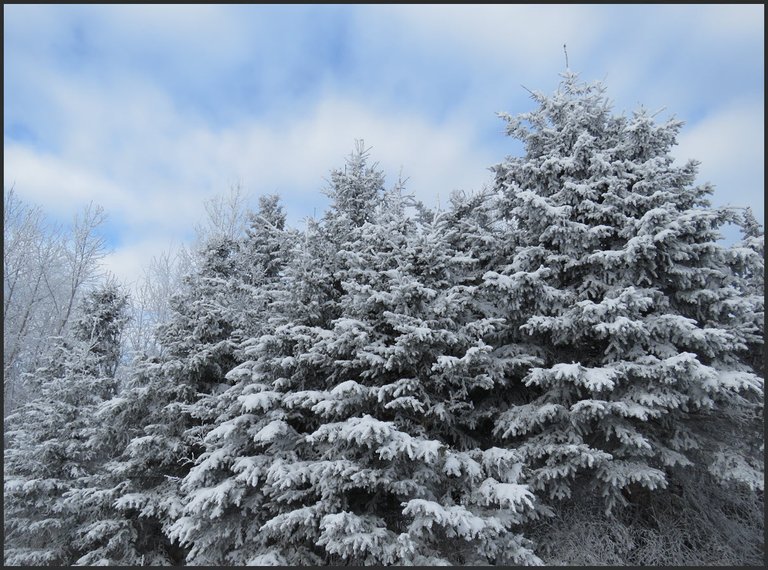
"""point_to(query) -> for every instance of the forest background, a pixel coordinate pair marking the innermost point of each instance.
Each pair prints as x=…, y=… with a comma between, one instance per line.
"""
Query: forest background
x=190, y=328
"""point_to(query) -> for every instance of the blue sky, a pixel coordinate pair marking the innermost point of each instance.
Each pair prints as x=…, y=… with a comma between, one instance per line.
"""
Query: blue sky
x=150, y=110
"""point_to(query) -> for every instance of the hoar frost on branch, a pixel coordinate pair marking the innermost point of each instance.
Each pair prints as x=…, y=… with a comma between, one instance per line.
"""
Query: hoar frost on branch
x=396, y=385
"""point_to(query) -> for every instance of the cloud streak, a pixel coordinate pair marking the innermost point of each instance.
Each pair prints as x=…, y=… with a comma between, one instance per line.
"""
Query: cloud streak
x=729, y=144
x=155, y=175
x=150, y=110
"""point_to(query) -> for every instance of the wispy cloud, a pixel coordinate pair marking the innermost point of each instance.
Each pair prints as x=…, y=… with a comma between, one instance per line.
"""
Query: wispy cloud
x=151, y=166
x=730, y=146
x=150, y=110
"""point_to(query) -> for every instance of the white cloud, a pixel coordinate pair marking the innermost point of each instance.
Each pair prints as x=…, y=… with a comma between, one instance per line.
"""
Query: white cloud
x=59, y=185
x=733, y=22
x=128, y=261
x=730, y=145
x=518, y=34
x=193, y=37
x=295, y=157
x=193, y=33
x=120, y=135
x=126, y=146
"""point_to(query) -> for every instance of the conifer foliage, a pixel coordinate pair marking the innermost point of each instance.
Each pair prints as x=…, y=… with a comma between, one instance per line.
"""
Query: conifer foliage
x=341, y=438
x=53, y=444
x=617, y=277
x=394, y=385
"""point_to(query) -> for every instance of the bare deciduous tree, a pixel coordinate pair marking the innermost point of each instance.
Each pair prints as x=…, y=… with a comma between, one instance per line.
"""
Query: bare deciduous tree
x=45, y=271
x=161, y=278
x=83, y=250
x=227, y=215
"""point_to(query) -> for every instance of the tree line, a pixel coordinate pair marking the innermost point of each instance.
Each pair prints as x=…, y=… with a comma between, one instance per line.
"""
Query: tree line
x=563, y=368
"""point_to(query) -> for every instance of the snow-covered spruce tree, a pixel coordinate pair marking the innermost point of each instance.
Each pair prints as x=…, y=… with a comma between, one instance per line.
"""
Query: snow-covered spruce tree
x=345, y=436
x=156, y=439
x=268, y=243
x=134, y=493
x=739, y=457
x=305, y=295
x=215, y=507
x=413, y=347
x=747, y=258
x=53, y=448
x=637, y=322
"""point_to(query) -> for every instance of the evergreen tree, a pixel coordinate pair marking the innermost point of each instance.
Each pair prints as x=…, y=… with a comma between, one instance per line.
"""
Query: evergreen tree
x=304, y=305
x=394, y=389
x=53, y=448
x=149, y=422
x=134, y=495
x=343, y=437
x=267, y=244
x=626, y=304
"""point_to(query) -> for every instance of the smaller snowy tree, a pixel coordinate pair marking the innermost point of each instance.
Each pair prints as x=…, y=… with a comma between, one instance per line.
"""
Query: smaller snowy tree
x=53, y=447
x=100, y=325
x=266, y=247
x=152, y=422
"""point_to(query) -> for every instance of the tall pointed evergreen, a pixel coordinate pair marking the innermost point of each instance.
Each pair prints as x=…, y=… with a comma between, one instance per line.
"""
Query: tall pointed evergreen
x=625, y=300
